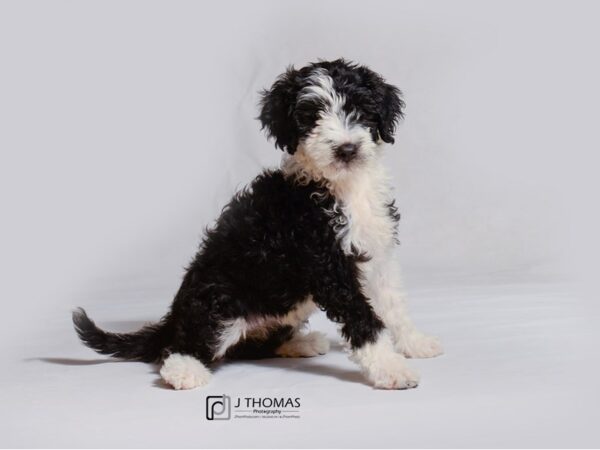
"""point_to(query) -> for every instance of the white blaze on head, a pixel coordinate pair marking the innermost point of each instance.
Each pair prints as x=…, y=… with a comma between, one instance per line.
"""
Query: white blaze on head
x=335, y=127
x=321, y=90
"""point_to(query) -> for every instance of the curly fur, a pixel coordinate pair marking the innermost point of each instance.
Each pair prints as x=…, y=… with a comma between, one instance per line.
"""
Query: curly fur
x=288, y=120
x=316, y=233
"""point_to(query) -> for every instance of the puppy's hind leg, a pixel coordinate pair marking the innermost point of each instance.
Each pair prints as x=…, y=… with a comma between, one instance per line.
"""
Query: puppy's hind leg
x=185, y=367
x=184, y=371
x=304, y=345
x=197, y=342
x=261, y=343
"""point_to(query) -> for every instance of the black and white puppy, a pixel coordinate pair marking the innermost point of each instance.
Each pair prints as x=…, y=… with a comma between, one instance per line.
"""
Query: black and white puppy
x=317, y=233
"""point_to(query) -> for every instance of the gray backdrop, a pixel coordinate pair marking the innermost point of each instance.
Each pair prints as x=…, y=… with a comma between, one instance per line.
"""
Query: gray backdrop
x=126, y=126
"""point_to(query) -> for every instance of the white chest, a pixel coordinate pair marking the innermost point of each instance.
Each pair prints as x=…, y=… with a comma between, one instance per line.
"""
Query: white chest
x=364, y=202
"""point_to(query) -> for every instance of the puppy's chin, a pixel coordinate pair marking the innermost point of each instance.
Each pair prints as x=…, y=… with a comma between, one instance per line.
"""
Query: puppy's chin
x=341, y=169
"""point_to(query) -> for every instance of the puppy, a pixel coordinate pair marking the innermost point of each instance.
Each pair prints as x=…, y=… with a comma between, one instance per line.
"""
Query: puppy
x=317, y=233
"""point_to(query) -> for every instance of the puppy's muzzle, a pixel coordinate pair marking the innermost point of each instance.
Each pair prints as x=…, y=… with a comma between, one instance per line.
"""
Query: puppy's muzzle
x=346, y=152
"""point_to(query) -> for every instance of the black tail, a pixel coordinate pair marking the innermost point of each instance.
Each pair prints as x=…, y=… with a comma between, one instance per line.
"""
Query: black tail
x=146, y=344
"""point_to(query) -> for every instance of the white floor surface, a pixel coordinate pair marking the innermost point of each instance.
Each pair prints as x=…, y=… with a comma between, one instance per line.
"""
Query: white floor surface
x=520, y=369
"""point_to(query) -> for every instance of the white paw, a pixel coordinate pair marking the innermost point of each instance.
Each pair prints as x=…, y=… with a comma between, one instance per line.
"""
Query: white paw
x=419, y=345
x=393, y=373
x=312, y=344
x=385, y=368
x=184, y=372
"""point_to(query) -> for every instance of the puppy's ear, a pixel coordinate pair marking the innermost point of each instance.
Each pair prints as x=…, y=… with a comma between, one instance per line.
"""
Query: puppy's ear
x=277, y=107
x=390, y=106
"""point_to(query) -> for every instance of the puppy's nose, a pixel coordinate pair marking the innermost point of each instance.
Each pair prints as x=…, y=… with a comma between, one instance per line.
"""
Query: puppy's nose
x=346, y=152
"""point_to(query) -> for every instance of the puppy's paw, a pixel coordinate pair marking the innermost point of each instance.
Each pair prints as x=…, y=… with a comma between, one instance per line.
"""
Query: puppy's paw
x=184, y=372
x=312, y=344
x=419, y=345
x=393, y=373
x=385, y=368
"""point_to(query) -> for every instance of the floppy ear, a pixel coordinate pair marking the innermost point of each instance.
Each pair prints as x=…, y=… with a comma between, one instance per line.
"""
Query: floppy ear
x=390, y=107
x=277, y=110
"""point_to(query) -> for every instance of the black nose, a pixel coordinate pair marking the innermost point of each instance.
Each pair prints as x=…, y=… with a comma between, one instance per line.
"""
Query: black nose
x=346, y=152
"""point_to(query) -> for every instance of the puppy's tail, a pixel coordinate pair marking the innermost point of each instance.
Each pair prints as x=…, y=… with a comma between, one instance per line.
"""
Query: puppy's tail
x=145, y=345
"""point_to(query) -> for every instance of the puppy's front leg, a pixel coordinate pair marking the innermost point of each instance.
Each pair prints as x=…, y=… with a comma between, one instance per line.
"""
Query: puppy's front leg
x=387, y=299
x=408, y=340
x=372, y=348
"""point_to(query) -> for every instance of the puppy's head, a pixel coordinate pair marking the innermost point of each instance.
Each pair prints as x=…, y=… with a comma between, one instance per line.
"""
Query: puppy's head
x=335, y=114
